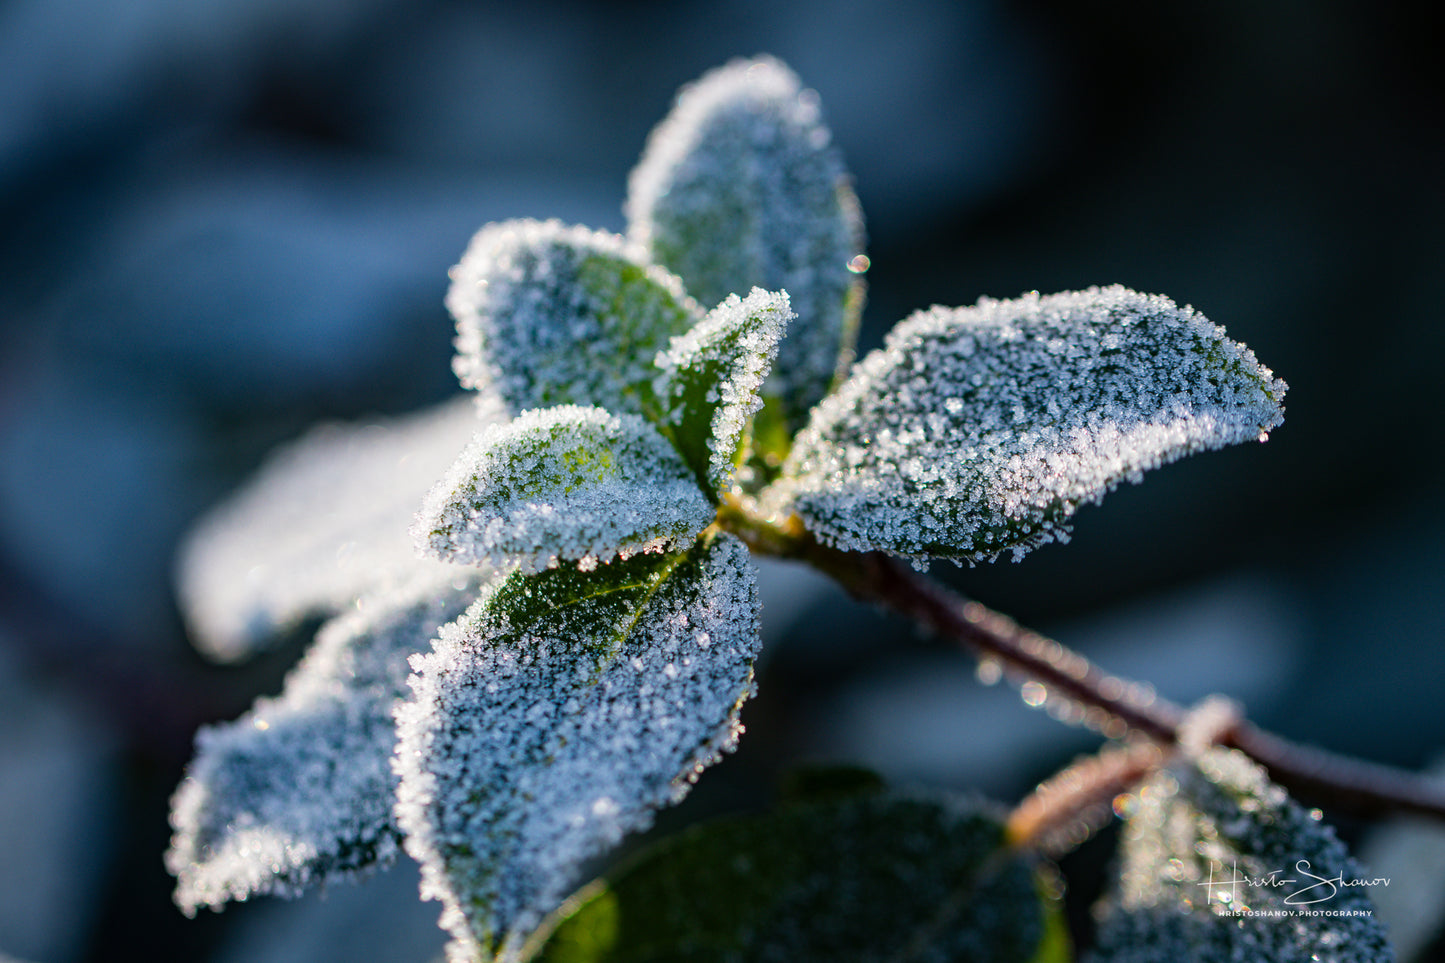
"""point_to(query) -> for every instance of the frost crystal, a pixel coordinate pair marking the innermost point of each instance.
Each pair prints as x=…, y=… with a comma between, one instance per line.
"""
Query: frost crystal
x=323, y=522
x=975, y=430
x=563, y=484
x=740, y=187
x=555, y=716
x=711, y=380
x=1297, y=896
x=300, y=789
x=551, y=315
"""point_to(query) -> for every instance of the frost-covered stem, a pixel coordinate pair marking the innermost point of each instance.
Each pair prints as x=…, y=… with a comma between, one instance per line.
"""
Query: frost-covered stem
x=1362, y=786
x=1078, y=800
x=882, y=579
x=886, y=581
x=1312, y=773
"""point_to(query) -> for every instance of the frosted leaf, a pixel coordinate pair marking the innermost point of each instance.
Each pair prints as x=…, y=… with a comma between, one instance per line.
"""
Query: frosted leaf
x=325, y=520
x=975, y=430
x=1218, y=864
x=740, y=187
x=711, y=380
x=555, y=716
x=563, y=484
x=552, y=315
x=300, y=788
x=857, y=879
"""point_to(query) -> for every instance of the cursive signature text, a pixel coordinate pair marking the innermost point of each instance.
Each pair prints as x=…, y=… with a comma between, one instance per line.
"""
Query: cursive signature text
x=1318, y=888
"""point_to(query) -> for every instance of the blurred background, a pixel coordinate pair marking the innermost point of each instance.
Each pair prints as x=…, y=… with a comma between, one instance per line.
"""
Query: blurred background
x=224, y=221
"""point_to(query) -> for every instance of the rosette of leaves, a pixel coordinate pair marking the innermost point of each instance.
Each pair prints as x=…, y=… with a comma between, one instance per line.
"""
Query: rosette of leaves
x=577, y=640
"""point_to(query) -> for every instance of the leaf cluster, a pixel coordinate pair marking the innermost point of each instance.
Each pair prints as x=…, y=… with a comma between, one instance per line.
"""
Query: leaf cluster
x=575, y=641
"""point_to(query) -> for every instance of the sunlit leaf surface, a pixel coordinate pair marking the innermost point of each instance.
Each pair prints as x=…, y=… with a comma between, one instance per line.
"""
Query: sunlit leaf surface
x=740, y=187
x=555, y=716
x=299, y=790
x=979, y=430
x=565, y=484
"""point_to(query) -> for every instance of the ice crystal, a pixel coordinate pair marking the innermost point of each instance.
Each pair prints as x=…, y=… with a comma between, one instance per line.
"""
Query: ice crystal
x=976, y=430
x=555, y=716
x=740, y=187
x=551, y=315
x=711, y=379
x=324, y=521
x=300, y=788
x=1220, y=865
x=563, y=484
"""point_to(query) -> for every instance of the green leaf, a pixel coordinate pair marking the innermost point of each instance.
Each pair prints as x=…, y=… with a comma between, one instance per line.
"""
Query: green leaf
x=563, y=484
x=555, y=716
x=711, y=380
x=979, y=430
x=299, y=790
x=554, y=315
x=1216, y=819
x=323, y=522
x=740, y=187
x=865, y=877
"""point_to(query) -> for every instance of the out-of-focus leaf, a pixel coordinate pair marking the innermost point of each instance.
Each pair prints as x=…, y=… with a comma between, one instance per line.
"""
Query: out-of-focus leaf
x=554, y=315
x=844, y=877
x=300, y=789
x=1219, y=865
x=740, y=187
x=711, y=381
x=563, y=484
x=325, y=521
x=979, y=430
x=556, y=715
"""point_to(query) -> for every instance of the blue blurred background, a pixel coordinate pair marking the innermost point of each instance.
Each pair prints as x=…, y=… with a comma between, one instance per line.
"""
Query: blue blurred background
x=225, y=220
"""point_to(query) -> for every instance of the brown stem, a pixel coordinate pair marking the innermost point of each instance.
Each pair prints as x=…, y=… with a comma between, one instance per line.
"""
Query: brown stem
x=886, y=581
x=1078, y=800
x=1062, y=673
x=1355, y=784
